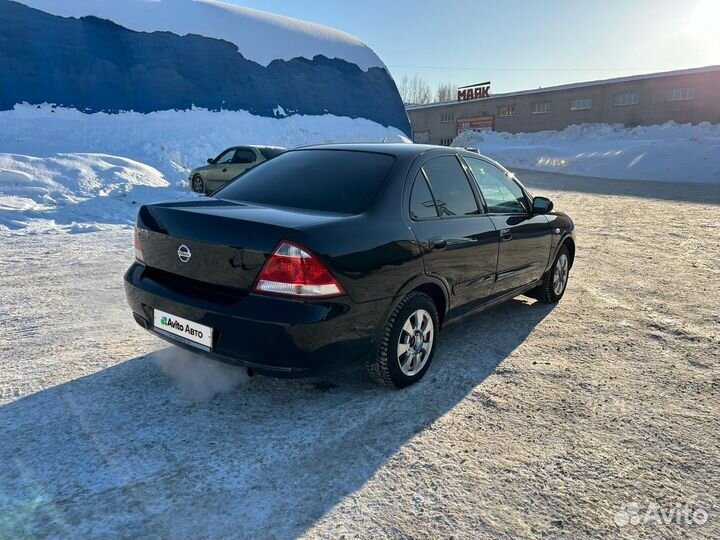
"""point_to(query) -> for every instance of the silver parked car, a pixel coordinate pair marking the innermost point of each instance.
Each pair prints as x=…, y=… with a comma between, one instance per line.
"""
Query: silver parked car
x=229, y=164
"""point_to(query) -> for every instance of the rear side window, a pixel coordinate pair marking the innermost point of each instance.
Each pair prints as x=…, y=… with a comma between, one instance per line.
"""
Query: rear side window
x=270, y=152
x=244, y=155
x=341, y=181
x=422, y=204
x=453, y=194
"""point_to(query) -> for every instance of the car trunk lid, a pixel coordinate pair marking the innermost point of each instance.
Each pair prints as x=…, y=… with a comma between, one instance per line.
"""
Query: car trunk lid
x=215, y=241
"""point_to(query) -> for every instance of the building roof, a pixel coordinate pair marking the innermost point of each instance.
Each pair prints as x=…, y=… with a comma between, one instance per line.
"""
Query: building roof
x=573, y=86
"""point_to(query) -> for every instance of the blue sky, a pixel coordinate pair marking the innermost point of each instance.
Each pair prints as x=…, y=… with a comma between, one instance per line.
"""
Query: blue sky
x=520, y=44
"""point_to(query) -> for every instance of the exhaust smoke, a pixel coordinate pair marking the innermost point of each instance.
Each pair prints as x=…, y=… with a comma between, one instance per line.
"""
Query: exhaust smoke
x=196, y=376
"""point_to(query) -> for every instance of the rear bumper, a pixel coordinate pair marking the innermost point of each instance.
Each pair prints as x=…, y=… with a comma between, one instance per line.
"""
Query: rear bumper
x=273, y=335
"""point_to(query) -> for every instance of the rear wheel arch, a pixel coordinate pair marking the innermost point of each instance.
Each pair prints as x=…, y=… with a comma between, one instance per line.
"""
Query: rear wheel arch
x=438, y=296
x=433, y=287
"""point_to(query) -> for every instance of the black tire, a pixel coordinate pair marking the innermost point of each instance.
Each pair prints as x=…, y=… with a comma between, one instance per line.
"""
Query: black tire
x=384, y=365
x=547, y=292
x=197, y=184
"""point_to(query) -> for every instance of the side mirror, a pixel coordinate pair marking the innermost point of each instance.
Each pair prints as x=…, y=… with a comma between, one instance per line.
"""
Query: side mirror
x=542, y=205
x=211, y=161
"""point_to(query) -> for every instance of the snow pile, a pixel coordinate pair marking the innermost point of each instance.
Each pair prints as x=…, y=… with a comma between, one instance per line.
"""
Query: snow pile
x=75, y=192
x=260, y=36
x=668, y=152
x=93, y=64
x=172, y=141
x=60, y=167
x=49, y=181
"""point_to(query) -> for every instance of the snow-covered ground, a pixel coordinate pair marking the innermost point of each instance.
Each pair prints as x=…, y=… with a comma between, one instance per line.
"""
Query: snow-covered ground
x=50, y=181
x=534, y=421
x=669, y=152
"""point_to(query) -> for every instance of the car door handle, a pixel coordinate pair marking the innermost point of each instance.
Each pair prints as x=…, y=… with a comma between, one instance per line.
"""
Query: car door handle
x=505, y=235
x=437, y=243
x=225, y=169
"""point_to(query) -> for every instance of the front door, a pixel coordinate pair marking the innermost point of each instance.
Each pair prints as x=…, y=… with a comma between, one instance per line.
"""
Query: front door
x=217, y=174
x=458, y=241
x=525, y=239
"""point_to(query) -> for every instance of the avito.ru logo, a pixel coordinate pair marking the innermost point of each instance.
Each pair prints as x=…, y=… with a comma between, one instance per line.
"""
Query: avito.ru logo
x=167, y=321
x=681, y=514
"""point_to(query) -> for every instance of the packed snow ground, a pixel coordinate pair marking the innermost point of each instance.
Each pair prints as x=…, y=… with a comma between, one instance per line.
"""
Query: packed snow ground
x=48, y=181
x=533, y=422
x=669, y=152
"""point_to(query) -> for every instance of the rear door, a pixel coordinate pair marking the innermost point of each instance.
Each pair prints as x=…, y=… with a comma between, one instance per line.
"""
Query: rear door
x=244, y=159
x=458, y=241
x=525, y=239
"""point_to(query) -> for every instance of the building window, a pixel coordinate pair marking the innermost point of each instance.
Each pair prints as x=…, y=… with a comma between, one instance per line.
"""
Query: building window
x=506, y=110
x=541, y=108
x=447, y=117
x=581, y=104
x=631, y=98
x=421, y=137
x=445, y=142
x=680, y=94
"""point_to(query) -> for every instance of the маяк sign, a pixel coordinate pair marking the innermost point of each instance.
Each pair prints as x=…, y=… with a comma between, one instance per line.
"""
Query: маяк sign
x=474, y=91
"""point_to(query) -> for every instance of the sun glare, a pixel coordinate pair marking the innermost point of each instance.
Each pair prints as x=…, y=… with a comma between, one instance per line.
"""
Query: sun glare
x=703, y=19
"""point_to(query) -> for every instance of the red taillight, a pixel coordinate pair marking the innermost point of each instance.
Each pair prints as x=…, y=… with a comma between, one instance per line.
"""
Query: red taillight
x=292, y=270
x=138, y=246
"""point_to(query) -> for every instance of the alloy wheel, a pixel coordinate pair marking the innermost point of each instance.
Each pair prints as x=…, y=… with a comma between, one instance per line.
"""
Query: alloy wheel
x=560, y=275
x=415, y=342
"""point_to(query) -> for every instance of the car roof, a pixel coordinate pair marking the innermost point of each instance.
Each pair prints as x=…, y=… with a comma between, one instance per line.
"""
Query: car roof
x=255, y=146
x=396, y=149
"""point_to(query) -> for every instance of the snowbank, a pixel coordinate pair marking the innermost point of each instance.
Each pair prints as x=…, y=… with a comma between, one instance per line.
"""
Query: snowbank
x=668, y=152
x=259, y=36
x=49, y=181
x=75, y=192
x=97, y=65
x=171, y=141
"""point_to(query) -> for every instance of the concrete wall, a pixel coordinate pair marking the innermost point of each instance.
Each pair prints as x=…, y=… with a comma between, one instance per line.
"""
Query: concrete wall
x=653, y=107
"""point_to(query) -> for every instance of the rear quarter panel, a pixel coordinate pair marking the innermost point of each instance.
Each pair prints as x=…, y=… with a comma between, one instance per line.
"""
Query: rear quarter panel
x=372, y=257
x=375, y=253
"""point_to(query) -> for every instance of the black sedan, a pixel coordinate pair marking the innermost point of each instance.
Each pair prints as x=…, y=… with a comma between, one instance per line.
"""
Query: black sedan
x=345, y=251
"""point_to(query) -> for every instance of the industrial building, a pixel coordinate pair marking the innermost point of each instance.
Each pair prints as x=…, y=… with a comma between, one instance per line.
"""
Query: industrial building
x=684, y=96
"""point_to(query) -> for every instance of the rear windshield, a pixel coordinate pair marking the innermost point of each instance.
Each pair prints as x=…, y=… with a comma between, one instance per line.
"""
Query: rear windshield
x=341, y=181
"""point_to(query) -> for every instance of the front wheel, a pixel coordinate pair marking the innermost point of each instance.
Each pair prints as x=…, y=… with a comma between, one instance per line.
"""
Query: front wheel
x=198, y=186
x=555, y=281
x=407, y=344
